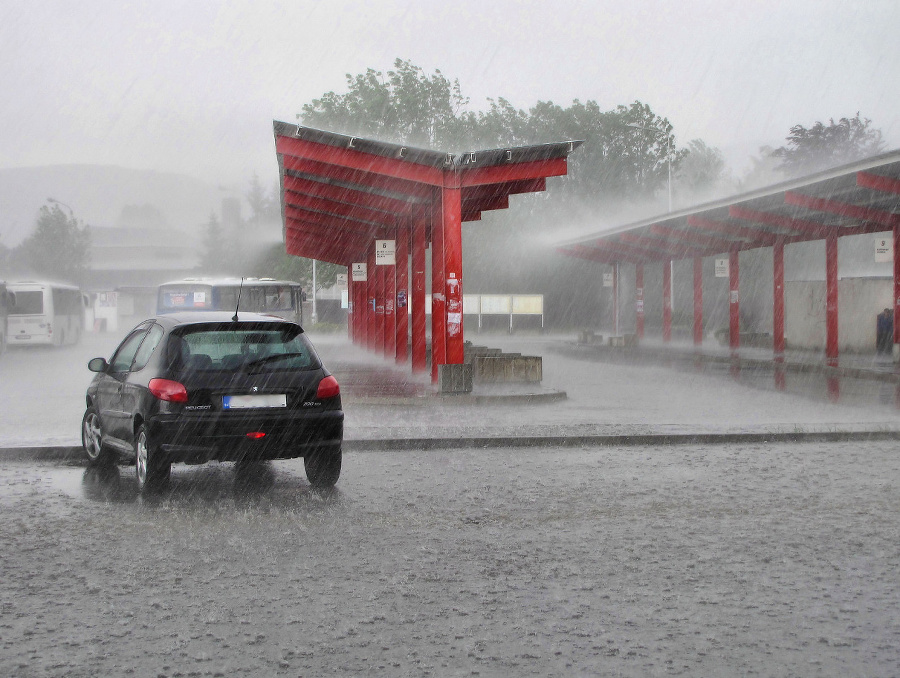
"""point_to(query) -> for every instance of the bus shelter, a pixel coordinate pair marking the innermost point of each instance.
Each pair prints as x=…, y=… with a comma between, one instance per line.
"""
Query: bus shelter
x=860, y=198
x=374, y=207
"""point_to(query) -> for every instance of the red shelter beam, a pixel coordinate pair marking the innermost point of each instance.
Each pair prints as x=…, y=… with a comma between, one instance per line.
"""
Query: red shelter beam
x=877, y=182
x=887, y=219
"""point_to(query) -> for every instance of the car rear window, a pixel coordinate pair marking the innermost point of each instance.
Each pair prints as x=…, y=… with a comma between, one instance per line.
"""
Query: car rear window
x=261, y=348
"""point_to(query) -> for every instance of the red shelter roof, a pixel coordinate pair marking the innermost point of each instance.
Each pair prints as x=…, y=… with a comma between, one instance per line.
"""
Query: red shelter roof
x=339, y=192
x=862, y=197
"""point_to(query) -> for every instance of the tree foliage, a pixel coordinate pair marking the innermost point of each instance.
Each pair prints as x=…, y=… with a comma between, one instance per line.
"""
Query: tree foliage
x=58, y=248
x=822, y=146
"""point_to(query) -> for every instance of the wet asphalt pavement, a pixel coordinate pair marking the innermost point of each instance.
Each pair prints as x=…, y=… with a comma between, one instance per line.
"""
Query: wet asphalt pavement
x=695, y=560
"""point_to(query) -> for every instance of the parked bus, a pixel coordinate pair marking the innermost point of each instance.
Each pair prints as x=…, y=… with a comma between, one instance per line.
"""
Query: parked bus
x=282, y=298
x=45, y=313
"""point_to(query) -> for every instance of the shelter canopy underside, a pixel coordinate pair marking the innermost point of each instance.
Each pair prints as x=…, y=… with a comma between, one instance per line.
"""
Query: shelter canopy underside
x=339, y=193
x=862, y=197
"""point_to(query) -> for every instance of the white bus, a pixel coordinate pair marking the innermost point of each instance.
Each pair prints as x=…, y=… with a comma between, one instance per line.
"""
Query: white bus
x=282, y=298
x=45, y=313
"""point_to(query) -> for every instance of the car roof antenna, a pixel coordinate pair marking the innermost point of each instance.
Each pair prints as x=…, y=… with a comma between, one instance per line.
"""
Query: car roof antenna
x=234, y=318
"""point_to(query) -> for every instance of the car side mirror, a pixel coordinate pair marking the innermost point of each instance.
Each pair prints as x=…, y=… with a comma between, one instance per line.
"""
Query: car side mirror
x=98, y=365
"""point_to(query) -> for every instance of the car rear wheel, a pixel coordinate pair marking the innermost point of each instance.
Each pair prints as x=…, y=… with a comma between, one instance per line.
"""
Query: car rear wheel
x=92, y=439
x=151, y=466
x=323, y=466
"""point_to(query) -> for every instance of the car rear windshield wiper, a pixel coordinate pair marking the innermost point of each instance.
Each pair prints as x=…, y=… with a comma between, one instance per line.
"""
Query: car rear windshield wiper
x=272, y=358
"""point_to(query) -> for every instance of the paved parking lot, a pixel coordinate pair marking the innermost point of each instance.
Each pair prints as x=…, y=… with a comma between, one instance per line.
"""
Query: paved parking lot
x=697, y=560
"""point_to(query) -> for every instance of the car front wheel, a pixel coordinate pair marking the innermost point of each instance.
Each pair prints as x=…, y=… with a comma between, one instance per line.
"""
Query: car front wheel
x=92, y=439
x=323, y=466
x=151, y=466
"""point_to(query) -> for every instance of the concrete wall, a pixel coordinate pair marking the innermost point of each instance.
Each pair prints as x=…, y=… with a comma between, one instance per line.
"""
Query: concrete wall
x=860, y=300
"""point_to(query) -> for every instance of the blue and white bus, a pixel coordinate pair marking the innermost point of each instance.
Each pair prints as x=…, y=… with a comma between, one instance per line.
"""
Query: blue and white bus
x=282, y=298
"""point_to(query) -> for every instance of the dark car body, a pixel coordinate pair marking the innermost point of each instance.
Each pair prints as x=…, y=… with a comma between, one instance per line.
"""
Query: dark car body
x=195, y=387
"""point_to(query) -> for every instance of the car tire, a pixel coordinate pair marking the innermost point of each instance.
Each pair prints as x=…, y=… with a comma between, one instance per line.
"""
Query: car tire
x=92, y=439
x=152, y=469
x=323, y=466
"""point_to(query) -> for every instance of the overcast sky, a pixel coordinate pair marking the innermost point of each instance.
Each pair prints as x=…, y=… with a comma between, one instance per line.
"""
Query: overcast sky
x=191, y=86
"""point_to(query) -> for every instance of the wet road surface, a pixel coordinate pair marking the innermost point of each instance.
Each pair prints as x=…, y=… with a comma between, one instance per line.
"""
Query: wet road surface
x=702, y=560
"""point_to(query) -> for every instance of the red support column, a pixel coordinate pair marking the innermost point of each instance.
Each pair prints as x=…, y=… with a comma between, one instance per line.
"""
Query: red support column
x=419, y=344
x=438, y=307
x=734, y=301
x=667, y=301
x=831, y=298
x=401, y=298
x=379, y=310
x=359, y=312
x=451, y=204
x=615, y=292
x=371, y=300
x=350, y=290
x=896, y=304
x=778, y=313
x=698, y=301
x=390, y=316
x=639, y=300
x=778, y=307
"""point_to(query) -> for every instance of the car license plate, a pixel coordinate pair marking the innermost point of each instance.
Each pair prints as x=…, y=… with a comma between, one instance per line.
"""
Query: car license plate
x=237, y=402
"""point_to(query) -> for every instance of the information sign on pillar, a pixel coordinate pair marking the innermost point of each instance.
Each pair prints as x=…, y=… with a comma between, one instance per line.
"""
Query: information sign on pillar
x=358, y=271
x=385, y=252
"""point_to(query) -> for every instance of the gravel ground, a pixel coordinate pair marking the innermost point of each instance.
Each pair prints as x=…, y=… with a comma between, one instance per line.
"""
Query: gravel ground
x=739, y=560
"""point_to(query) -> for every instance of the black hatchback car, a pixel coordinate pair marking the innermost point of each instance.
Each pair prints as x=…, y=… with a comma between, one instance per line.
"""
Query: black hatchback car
x=195, y=387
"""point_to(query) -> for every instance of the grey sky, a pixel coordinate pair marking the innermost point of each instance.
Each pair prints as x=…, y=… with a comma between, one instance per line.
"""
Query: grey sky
x=193, y=86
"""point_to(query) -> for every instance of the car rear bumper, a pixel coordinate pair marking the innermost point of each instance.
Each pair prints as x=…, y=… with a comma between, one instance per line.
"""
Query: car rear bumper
x=224, y=437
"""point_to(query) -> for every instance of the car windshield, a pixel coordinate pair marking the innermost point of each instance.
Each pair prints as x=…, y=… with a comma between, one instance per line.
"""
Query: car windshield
x=262, y=347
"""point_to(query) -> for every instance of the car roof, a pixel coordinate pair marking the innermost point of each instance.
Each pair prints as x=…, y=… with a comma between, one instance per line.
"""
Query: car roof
x=180, y=318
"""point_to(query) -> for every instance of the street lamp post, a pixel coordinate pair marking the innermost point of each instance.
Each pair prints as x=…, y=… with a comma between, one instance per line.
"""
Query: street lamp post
x=657, y=132
x=60, y=202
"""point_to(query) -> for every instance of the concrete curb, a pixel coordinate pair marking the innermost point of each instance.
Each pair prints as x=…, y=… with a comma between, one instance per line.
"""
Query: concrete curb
x=788, y=365
x=75, y=453
x=460, y=399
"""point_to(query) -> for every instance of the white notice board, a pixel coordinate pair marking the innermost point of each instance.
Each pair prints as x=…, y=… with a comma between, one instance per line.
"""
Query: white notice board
x=385, y=252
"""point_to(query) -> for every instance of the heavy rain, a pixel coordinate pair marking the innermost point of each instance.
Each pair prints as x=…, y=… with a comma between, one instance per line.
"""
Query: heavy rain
x=653, y=433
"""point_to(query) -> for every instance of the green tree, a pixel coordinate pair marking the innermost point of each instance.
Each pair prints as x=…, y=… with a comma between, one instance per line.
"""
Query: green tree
x=59, y=246
x=822, y=146
x=701, y=171
x=404, y=105
x=276, y=263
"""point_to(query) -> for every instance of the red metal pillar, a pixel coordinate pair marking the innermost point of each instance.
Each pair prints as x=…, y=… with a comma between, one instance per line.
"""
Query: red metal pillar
x=639, y=300
x=359, y=312
x=778, y=313
x=667, y=301
x=438, y=307
x=831, y=298
x=401, y=341
x=896, y=304
x=371, y=300
x=350, y=290
x=419, y=347
x=778, y=308
x=698, y=301
x=734, y=300
x=390, y=293
x=451, y=204
x=615, y=292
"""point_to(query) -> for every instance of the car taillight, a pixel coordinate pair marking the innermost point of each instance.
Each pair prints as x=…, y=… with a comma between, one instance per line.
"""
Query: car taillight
x=166, y=389
x=328, y=388
x=256, y=435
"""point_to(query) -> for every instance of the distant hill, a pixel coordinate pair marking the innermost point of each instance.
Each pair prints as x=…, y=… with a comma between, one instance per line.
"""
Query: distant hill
x=97, y=194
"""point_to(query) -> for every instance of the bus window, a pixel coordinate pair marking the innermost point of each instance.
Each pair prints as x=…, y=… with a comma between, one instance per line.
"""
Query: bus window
x=28, y=303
